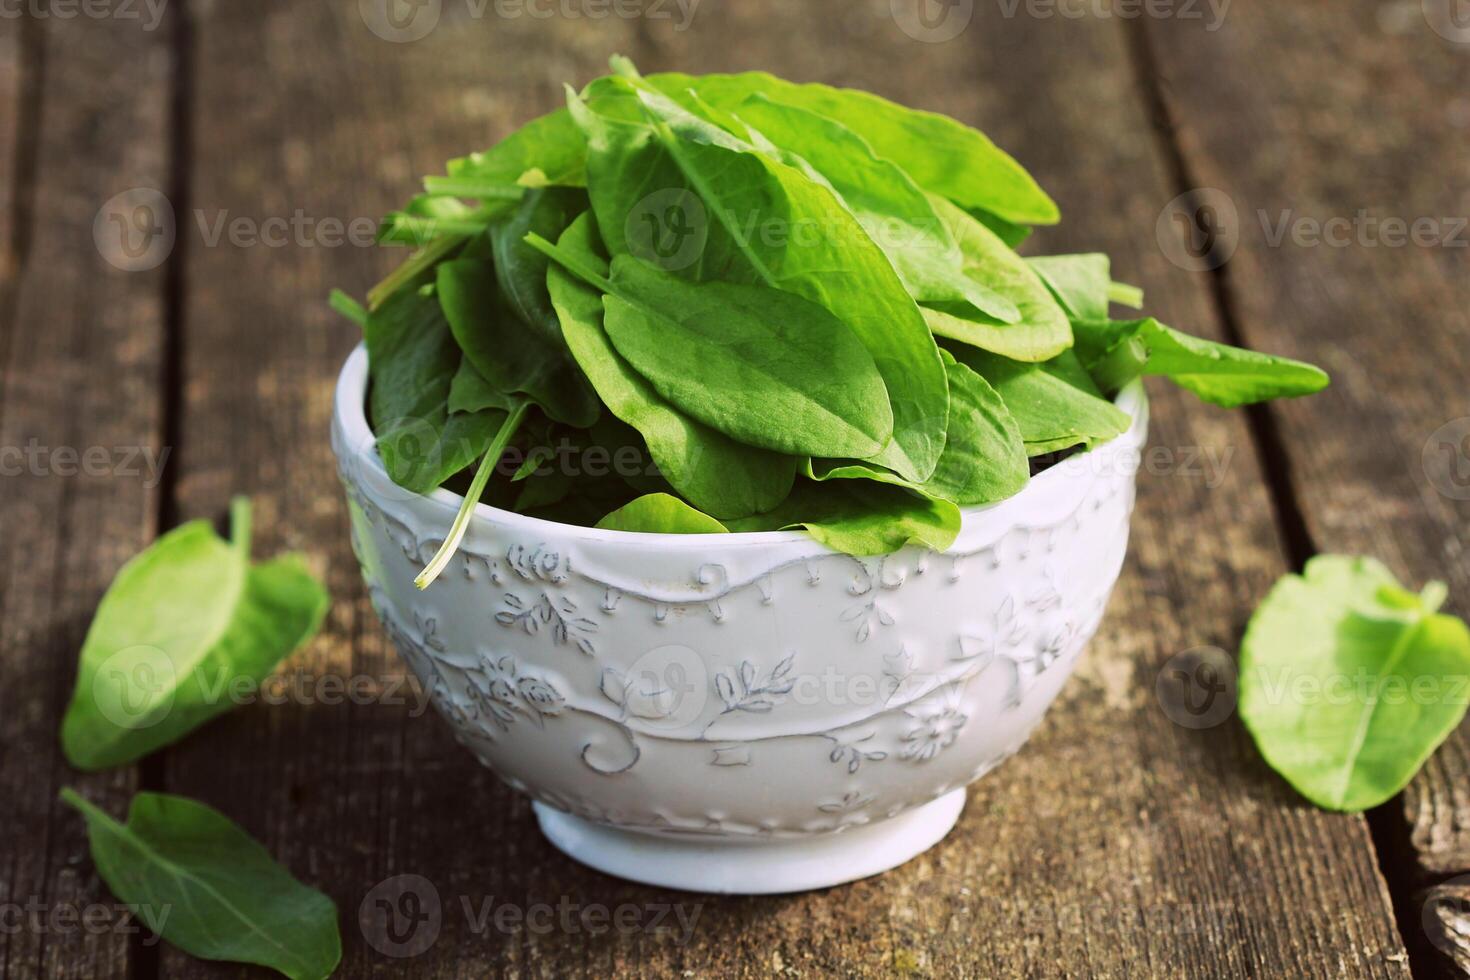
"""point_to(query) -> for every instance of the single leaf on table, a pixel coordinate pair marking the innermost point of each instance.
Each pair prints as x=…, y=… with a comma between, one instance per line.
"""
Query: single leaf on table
x=641, y=143
x=714, y=472
x=1117, y=351
x=763, y=366
x=513, y=356
x=939, y=153
x=861, y=517
x=413, y=358
x=1051, y=412
x=984, y=459
x=209, y=888
x=183, y=624
x=660, y=513
x=1042, y=330
x=892, y=209
x=1348, y=682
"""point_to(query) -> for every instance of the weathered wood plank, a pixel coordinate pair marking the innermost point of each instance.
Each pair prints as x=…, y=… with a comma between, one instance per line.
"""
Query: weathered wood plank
x=1117, y=844
x=1366, y=122
x=11, y=113
x=82, y=374
x=345, y=795
x=1153, y=878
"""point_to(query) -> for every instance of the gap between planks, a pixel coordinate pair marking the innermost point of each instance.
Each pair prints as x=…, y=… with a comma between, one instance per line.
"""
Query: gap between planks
x=145, y=961
x=30, y=61
x=1386, y=826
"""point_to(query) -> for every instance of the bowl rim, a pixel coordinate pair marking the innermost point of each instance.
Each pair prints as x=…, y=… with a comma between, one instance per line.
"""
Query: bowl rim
x=349, y=412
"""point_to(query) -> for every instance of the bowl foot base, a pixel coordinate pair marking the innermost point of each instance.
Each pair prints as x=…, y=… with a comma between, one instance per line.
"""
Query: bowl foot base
x=762, y=867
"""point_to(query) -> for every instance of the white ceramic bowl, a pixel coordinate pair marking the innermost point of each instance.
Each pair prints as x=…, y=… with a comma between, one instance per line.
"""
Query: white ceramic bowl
x=748, y=712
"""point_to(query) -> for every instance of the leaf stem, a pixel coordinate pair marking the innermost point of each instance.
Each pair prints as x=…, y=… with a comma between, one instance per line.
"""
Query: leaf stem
x=673, y=144
x=623, y=65
x=467, y=509
x=1432, y=596
x=79, y=802
x=472, y=187
x=1123, y=362
x=240, y=525
x=414, y=229
x=1125, y=295
x=574, y=264
x=425, y=258
x=453, y=228
x=348, y=307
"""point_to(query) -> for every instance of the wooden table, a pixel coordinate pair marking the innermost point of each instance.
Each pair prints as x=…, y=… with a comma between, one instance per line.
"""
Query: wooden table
x=1119, y=843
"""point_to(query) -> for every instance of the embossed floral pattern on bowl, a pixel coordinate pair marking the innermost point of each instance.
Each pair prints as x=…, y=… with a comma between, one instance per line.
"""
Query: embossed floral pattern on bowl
x=745, y=689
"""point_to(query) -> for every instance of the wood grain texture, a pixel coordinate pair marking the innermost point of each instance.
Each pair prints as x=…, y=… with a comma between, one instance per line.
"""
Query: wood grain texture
x=1117, y=844
x=1367, y=122
x=12, y=165
x=1445, y=911
x=1145, y=883
x=81, y=372
x=346, y=795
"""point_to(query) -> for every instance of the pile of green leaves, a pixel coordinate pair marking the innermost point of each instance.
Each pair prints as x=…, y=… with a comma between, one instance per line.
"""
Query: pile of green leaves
x=802, y=303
